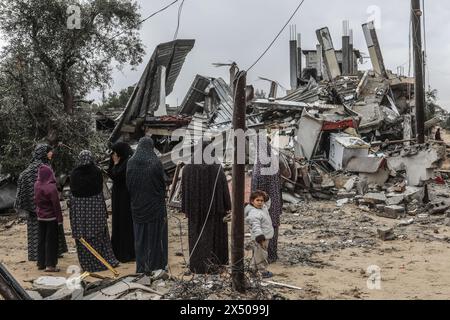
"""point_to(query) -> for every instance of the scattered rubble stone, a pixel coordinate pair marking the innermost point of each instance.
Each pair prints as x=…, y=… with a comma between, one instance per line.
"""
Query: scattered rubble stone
x=386, y=234
x=375, y=198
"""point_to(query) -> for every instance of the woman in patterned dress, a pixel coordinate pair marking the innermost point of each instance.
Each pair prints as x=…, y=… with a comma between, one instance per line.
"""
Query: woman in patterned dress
x=88, y=214
x=266, y=177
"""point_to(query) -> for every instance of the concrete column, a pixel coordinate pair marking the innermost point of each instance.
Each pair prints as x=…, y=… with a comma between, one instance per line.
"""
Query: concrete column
x=331, y=62
x=373, y=45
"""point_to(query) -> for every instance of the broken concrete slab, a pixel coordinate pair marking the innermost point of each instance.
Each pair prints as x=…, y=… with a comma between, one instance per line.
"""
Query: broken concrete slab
x=375, y=198
x=392, y=212
x=66, y=293
x=438, y=208
x=119, y=289
x=406, y=222
x=48, y=286
x=350, y=184
x=342, y=202
x=378, y=178
x=410, y=194
x=34, y=295
x=290, y=198
x=386, y=234
x=362, y=186
x=343, y=195
x=393, y=201
x=419, y=166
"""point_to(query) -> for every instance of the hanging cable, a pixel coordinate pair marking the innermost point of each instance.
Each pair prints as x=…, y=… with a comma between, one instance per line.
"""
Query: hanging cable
x=277, y=36
x=180, y=10
x=149, y=17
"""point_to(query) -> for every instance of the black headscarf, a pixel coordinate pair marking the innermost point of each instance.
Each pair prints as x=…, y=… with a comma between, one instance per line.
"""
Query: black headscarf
x=118, y=172
x=145, y=183
x=86, y=180
x=123, y=150
x=27, y=179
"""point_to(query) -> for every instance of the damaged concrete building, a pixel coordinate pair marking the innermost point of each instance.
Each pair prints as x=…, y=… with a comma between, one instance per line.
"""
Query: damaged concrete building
x=336, y=121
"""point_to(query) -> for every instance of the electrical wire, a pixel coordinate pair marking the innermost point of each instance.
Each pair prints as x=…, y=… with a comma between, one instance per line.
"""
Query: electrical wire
x=180, y=11
x=144, y=20
x=277, y=36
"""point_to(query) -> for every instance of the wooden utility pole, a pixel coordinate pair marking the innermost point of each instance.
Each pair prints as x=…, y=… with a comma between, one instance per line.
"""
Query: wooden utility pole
x=9, y=288
x=418, y=70
x=237, y=230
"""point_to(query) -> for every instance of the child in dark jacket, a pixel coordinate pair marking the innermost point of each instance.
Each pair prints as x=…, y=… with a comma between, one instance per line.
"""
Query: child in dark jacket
x=49, y=215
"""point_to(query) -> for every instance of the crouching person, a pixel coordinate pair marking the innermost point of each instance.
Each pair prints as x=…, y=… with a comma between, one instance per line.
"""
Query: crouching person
x=261, y=229
x=49, y=215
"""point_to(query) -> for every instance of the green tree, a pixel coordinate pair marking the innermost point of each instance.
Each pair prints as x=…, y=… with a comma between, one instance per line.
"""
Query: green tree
x=47, y=70
x=431, y=104
x=75, y=61
x=117, y=100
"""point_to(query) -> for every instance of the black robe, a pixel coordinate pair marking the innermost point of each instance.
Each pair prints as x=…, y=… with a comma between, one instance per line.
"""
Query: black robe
x=146, y=185
x=197, y=191
x=122, y=238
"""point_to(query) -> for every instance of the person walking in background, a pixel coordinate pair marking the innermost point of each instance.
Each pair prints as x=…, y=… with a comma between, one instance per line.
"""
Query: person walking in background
x=43, y=153
x=259, y=222
x=122, y=237
x=88, y=215
x=205, y=199
x=147, y=188
x=49, y=215
x=438, y=136
x=266, y=179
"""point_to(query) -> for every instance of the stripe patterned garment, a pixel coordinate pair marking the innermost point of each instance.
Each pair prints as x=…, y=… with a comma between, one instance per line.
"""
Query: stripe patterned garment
x=33, y=237
x=25, y=197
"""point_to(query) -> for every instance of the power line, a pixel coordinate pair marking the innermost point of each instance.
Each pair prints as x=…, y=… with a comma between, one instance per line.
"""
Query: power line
x=150, y=16
x=277, y=36
x=180, y=10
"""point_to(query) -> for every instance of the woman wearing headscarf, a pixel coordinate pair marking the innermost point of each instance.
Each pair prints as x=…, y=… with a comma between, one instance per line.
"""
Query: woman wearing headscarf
x=43, y=153
x=266, y=177
x=146, y=185
x=88, y=215
x=205, y=199
x=122, y=237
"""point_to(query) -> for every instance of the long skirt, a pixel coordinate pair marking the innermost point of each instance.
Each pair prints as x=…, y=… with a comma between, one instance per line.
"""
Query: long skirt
x=273, y=247
x=102, y=244
x=33, y=238
x=151, y=244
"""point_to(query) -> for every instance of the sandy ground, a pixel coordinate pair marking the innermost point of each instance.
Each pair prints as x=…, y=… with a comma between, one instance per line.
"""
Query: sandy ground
x=323, y=249
x=415, y=266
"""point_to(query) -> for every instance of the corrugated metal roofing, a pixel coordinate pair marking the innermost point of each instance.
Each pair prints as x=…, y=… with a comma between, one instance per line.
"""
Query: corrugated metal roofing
x=145, y=98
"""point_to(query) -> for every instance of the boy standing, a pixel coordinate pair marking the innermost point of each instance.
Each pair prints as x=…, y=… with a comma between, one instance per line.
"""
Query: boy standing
x=261, y=228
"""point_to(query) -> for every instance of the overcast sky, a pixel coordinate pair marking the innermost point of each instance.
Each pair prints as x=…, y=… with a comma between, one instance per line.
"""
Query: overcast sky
x=239, y=30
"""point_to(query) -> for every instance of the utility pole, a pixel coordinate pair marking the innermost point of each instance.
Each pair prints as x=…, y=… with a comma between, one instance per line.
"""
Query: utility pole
x=237, y=229
x=418, y=70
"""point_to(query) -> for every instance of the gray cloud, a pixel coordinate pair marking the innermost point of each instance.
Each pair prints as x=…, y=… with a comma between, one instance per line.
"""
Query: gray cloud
x=239, y=30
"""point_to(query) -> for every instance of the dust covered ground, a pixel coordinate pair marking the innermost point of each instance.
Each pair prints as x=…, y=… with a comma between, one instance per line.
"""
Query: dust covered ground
x=323, y=249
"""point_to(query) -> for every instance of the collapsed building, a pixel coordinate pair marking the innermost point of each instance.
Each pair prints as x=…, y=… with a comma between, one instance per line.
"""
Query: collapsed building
x=335, y=121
